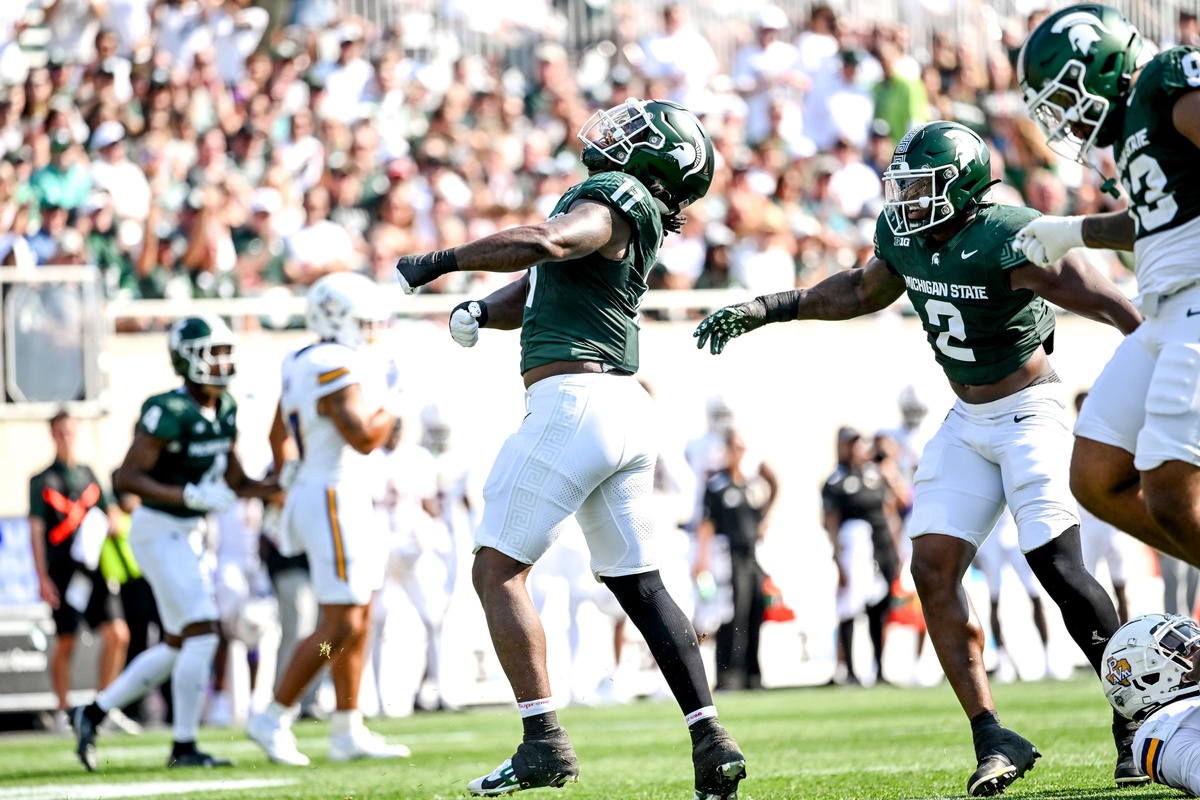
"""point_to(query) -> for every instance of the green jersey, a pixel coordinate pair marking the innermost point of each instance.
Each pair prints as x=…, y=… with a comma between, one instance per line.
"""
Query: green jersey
x=980, y=328
x=586, y=309
x=1160, y=171
x=198, y=440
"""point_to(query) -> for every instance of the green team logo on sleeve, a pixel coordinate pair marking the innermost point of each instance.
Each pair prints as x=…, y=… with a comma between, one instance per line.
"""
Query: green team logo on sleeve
x=587, y=309
x=980, y=329
x=195, y=444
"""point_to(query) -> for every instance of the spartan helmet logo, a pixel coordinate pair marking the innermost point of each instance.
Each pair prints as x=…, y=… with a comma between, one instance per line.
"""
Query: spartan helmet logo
x=964, y=147
x=1082, y=33
x=687, y=154
x=1119, y=672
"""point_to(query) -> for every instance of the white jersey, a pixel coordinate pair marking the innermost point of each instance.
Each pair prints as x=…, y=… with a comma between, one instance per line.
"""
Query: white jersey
x=314, y=372
x=1166, y=745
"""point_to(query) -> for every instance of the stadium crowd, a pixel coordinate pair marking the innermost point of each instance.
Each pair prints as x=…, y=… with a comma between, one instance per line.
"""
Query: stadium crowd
x=189, y=152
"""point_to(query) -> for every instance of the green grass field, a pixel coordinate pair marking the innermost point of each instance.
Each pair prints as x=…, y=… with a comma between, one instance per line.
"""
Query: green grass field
x=800, y=743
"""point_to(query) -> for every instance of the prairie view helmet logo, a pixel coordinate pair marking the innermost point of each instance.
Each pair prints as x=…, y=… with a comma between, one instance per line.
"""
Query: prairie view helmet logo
x=1119, y=672
x=1082, y=30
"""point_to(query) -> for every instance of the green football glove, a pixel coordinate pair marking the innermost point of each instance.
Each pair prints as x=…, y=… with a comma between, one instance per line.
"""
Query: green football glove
x=728, y=323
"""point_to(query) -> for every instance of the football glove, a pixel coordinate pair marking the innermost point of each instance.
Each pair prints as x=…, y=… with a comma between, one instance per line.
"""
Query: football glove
x=208, y=495
x=414, y=271
x=729, y=323
x=1047, y=239
x=466, y=320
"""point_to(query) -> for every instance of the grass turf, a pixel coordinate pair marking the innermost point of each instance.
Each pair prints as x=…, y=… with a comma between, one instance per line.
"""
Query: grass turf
x=817, y=744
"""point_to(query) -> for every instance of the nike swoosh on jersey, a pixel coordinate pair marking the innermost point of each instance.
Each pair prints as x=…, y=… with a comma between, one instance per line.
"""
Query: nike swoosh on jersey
x=1191, y=312
x=967, y=255
x=1019, y=418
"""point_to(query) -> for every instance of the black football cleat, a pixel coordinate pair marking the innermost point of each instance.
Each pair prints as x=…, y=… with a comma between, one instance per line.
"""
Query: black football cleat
x=85, y=738
x=1004, y=756
x=538, y=762
x=197, y=759
x=719, y=763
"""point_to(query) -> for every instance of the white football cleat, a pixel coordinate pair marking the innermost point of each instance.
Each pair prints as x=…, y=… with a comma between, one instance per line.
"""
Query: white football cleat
x=362, y=743
x=277, y=740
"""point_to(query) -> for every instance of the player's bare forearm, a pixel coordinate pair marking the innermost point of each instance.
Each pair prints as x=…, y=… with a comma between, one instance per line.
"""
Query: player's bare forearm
x=282, y=447
x=583, y=230
x=506, y=305
x=1115, y=230
x=1077, y=287
x=245, y=486
x=851, y=293
x=134, y=477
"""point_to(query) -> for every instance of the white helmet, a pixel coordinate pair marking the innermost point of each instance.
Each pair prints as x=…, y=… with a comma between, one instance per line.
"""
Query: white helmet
x=1147, y=662
x=912, y=407
x=435, y=435
x=720, y=415
x=343, y=306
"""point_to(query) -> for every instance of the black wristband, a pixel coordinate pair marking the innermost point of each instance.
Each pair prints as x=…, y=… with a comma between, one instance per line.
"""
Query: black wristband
x=445, y=260
x=482, y=319
x=782, y=306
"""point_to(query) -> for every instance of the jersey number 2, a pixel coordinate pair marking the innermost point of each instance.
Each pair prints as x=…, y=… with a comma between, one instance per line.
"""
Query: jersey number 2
x=955, y=329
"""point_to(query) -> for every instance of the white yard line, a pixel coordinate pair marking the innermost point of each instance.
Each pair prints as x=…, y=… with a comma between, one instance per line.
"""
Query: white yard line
x=111, y=791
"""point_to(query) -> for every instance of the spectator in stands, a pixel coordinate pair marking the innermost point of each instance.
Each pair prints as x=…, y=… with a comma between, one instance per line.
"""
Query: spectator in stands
x=766, y=71
x=900, y=100
x=65, y=181
x=121, y=178
x=320, y=246
x=69, y=517
x=680, y=59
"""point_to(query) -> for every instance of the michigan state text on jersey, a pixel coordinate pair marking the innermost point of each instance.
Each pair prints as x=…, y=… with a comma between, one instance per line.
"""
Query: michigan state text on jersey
x=1006, y=441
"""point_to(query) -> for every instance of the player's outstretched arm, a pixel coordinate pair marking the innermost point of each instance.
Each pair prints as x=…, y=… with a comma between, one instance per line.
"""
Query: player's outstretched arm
x=1074, y=285
x=844, y=295
x=588, y=226
x=363, y=429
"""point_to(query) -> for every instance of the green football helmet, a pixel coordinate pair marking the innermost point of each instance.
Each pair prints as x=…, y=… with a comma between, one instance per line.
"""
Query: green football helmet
x=655, y=141
x=938, y=170
x=1075, y=70
x=192, y=342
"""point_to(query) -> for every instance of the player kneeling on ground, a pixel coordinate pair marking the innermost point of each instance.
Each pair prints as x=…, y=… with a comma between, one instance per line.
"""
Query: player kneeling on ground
x=1151, y=669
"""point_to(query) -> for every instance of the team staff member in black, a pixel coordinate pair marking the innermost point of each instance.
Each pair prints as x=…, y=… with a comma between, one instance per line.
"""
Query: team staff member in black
x=60, y=496
x=736, y=508
x=858, y=490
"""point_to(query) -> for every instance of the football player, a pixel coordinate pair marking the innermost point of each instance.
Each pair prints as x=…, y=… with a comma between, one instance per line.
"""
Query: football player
x=1151, y=670
x=1007, y=439
x=587, y=446
x=330, y=417
x=1090, y=80
x=182, y=464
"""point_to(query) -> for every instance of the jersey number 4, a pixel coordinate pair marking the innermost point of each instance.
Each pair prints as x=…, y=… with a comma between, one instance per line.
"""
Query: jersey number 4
x=935, y=310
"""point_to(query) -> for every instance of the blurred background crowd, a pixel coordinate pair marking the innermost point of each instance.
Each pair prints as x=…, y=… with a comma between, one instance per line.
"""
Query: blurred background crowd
x=214, y=148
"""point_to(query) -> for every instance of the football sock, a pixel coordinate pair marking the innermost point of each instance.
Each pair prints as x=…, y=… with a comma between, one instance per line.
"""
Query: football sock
x=1087, y=610
x=668, y=633
x=150, y=669
x=277, y=711
x=542, y=723
x=182, y=749
x=346, y=721
x=1123, y=730
x=846, y=638
x=983, y=720
x=189, y=679
x=876, y=616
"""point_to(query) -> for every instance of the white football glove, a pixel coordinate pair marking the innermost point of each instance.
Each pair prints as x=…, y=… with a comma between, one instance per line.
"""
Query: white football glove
x=208, y=495
x=464, y=323
x=288, y=473
x=1047, y=239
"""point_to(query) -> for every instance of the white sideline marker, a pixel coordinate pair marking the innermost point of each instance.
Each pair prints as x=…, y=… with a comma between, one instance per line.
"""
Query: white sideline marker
x=93, y=791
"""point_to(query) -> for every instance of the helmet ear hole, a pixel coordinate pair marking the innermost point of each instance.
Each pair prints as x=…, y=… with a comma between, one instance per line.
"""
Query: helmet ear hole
x=1110, y=64
x=1151, y=679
